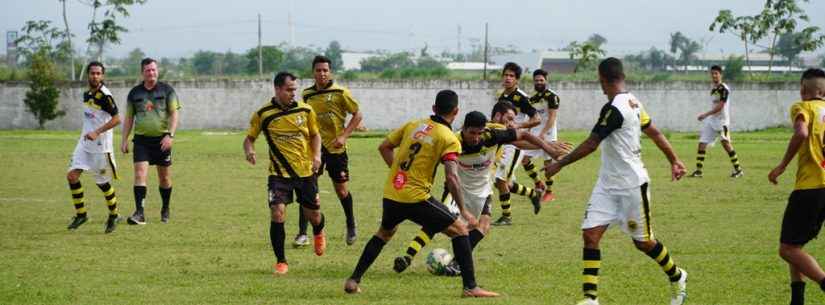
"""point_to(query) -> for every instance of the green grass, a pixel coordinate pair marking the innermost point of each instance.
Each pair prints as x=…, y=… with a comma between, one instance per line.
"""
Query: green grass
x=216, y=249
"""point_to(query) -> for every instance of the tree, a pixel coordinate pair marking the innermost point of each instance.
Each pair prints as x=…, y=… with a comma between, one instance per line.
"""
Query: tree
x=232, y=63
x=132, y=63
x=68, y=36
x=108, y=30
x=271, y=58
x=596, y=40
x=744, y=27
x=653, y=59
x=334, y=52
x=384, y=62
x=777, y=18
x=205, y=63
x=585, y=54
x=733, y=68
x=685, y=47
x=40, y=35
x=42, y=98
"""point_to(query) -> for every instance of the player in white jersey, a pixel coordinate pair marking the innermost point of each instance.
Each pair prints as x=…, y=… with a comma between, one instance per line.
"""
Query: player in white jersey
x=716, y=123
x=481, y=144
x=546, y=102
x=621, y=194
x=93, y=152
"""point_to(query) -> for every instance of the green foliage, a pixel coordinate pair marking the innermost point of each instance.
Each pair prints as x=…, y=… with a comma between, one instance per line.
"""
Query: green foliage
x=108, y=31
x=685, y=47
x=652, y=60
x=385, y=62
x=41, y=35
x=747, y=28
x=271, y=57
x=132, y=64
x=733, y=68
x=333, y=52
x=42, y=98
x=585, y=54
x=781, y=17
x=205, y=63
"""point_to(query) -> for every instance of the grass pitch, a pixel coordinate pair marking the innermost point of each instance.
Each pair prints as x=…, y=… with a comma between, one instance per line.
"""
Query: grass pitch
x=215, y=250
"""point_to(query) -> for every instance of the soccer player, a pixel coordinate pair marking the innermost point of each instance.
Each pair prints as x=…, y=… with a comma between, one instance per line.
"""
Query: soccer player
x=805, y=212
x=526, y=118
x=546, y=102
x=94, y=148
x=480, y=145
x=331, y=103
x=621, y=194
x=152, y=109
x=716, y=123
x=291, y=131
x=422, y=144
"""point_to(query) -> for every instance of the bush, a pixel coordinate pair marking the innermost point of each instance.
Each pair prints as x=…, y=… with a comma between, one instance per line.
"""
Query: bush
x=733, y=68
x=42, y=98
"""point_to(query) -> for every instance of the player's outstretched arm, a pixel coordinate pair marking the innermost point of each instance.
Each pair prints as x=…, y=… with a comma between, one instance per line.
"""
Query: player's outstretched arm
x=386, y=150
x=800, y=133
x=454, y=187
x=677, y=168
x=587, y=147
x=556, y=149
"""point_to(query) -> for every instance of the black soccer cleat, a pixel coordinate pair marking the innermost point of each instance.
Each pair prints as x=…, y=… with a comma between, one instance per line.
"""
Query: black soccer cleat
x=536, y=201
x=164, y=215
x=136, y=219
x=351, y=236
x=77, y=220
x=503, y=221
x=452, y=269
x=111, y=223
x=401, y=263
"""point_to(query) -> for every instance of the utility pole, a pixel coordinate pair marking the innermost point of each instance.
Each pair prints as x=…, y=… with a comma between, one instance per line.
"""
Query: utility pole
x=260, y=50
x=68, y=38
x=485, y=50
x=291, y=24
x=458, y=49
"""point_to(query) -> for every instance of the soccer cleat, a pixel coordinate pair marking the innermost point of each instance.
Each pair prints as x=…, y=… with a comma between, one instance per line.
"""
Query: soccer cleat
x=536, y=201
x=164, y=215
x=136, y=219
x=351, y=236
x=77, y=221
x=548, y=196
x=351, y=286
x=401, y=263
x=300, y=241
x=678, y=289
x=452, y=269
x=320, y=243
x=588, y=301
x=503, y=221
x=280, y=268
x=695, y=174
x=478, y=293
x=736, y=173
x=111, y=223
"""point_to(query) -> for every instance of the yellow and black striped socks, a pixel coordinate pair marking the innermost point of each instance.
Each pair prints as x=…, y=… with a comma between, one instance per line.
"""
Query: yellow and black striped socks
x=530, y=168
x=504, y=200
x=700, y=160
x=660, y=255
x=77, y=198
x=111, y=199
x=416, y=244
x=734, y=160
x=592, y=259
x=517, y=188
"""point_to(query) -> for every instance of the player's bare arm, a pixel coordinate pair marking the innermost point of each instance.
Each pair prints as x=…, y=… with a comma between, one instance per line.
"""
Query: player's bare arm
x=583, y=150
x=534, y=121
x=114, y=121
x=341, y=139
x=315, y=145
x=556, y=149
x=128, y=122
x=551, y=120
x=249, y=149
x=386, y=150
x=454, y=187
x=800, y=133
x=717, y=107
x=677, y=168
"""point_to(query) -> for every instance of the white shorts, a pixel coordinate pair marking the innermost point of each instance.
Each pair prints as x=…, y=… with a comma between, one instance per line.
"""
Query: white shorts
x=709, y=133
x=476, y=205
x=101, y=165
x=510, y=160
x=627, y=208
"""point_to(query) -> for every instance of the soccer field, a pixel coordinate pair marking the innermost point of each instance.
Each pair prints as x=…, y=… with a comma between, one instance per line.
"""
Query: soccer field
x=215, y=250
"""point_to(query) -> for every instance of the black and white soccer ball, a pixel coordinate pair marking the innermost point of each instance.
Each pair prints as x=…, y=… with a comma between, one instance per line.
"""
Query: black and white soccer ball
x=437, y=261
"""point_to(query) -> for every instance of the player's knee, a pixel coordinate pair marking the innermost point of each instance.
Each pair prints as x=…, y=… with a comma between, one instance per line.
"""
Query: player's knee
x=644, y=245
x=73, y=176
x=591, y=240
x=385, y=234
x=484, y=224
x=786, y=251
x=278, y=213
x=341, y=190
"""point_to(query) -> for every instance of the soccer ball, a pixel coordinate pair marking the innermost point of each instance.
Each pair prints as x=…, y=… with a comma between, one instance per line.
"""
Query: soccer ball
x=437, y=261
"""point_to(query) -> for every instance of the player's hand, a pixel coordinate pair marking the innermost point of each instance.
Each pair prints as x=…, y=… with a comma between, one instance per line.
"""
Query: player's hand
x=775, y=173
x=124, y=147
x=339, y=142
x=558, y=149
x=677, y=170
x=701, y=117
x=552, y=169
x=250, y=157
x=91, y=136
x=472, y=222
x=316, y=164
x=166, y=143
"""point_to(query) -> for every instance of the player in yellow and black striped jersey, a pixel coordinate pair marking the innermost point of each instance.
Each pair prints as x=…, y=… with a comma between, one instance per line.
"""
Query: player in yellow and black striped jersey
x=422, y=144
x=805, y=211
x=332, y=103
x=526, y=118
x=291, y=132
x=546, y=102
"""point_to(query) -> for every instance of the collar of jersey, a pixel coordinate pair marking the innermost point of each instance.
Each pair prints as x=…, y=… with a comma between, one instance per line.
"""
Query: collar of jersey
x=96, y=89
x=439, y=119
x=290, y=106
x=329, y=85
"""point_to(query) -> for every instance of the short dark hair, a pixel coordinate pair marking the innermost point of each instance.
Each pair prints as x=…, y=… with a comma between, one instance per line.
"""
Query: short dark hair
x=475, y=119
x=282, y=77
x=612, y=69
x=319, y=59
x=147, y=61
x=812, y=73
x=445, y=102
x=96, y=64
x=502, y=107
x=540, y=72
x=513, y=67
x=716, y=68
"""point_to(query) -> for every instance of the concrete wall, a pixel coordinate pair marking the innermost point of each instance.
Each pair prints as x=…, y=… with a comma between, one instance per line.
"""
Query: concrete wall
x=386, y=104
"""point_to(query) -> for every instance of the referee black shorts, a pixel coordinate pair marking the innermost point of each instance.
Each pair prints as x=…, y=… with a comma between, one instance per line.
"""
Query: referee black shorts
x=337, y=165
x=147, y=149
x=281, y=191
x=431, y=214
x=803, y=217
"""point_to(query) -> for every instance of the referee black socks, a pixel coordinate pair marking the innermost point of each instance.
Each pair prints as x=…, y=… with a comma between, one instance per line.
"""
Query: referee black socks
x=140, y=195
x=165, y=194
x=317, y=229
x=797, y=293
x=346, y=203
